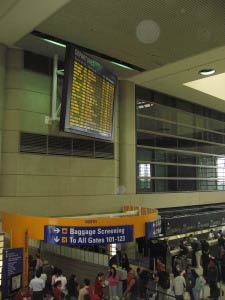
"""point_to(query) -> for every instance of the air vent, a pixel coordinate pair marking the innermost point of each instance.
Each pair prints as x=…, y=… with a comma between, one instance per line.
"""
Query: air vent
x=59, y=145
x=83, y=148
x=33, y=143
x=103, y=149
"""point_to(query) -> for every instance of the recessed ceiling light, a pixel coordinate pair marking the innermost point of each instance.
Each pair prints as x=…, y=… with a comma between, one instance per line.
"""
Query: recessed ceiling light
x=207, y=72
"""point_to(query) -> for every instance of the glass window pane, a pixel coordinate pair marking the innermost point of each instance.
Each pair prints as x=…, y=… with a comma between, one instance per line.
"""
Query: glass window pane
x=185, y=131
x=186, y=145
x=186, y=171
x=144, y=154
x=186, y=185
x=145, y=139
x=144, y=185
x=166, y=142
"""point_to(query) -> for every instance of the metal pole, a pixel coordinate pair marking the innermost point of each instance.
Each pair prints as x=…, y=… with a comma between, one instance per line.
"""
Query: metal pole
x=54, y=88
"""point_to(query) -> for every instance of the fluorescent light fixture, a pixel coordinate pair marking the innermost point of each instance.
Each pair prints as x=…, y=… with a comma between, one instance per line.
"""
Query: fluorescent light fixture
x=212, y=85
x=121, y=65
x=207, y=72
x=55, y=43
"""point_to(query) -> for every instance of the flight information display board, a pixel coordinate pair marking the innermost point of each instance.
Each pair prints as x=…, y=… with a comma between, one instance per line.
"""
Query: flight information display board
x=88, y=96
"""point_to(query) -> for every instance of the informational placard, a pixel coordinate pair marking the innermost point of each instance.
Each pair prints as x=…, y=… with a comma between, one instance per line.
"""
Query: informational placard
x=12, y=271
x=88, y=96
x=153, y=228
x=64, y=235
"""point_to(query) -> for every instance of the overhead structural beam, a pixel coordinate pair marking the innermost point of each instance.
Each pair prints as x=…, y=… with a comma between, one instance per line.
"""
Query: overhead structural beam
x=23, y=16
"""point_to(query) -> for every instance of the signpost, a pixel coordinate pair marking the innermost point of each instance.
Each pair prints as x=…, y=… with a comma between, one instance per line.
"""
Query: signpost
x=153, y=229
x=12, y=271
x=68, y=235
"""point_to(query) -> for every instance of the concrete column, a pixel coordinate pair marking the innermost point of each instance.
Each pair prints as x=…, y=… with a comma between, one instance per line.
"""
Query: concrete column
x=127, y=138
x=2, y=95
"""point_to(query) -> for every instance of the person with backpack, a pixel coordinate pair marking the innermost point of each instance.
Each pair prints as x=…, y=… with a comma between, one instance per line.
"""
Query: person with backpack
x=163, y=284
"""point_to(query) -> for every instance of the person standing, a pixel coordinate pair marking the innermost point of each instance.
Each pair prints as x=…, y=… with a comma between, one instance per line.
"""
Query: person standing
x=211, y=235
x=99, y=284
x=132, y=288
x=190, y=281
x=164, y=284
x=179, y=284
x=199, y=283
x=39, y=262
x=37, y=285
x=125, y=262
x=62, y=278
x=72, y=288
x=86, y=290
x=159, y=265
x=43, y=275
x=212, y=277
x=57, y=290
x=113, y=280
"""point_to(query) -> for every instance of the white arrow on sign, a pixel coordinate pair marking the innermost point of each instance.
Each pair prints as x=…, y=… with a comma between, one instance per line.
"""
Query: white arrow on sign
x=57, y=230
x=56, y=239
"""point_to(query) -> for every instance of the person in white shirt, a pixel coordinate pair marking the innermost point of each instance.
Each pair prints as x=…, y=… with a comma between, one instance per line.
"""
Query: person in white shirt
x=37, y=285
x=43, y=275
x=63, y=280
x=179, y=285
x=211, y=235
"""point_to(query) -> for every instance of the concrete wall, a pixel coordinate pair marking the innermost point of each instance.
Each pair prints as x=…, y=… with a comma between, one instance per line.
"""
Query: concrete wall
x=57, y=185
x=47, y=185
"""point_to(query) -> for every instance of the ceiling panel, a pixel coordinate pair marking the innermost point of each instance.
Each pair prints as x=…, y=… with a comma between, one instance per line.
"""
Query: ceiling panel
x=185, y=28
x=170, y=79
x=5, y=6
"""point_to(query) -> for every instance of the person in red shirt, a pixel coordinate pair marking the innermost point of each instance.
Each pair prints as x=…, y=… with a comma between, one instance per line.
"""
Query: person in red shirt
x=99, y=284
x=24, y=293
x=159, y=265
x=57, y=290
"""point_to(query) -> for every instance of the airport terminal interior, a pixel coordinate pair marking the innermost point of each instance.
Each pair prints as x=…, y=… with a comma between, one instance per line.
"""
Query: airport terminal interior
x=112, y=149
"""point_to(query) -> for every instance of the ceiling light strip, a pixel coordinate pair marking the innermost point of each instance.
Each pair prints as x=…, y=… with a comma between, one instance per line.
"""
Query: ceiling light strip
x=90, y=51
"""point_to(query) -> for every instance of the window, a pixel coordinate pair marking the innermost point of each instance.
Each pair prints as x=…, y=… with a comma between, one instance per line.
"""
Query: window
x=221, y=173
x=180, y=145
x=144, y=174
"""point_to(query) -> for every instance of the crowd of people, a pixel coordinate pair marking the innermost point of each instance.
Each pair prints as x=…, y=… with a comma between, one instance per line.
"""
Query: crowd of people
x=189, y=279
x=123, y=282
x=48, y=282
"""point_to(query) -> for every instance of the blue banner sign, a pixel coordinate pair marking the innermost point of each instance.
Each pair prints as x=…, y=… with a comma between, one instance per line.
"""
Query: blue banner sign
x=153, y=228
x=12, y=271
x=67, y=235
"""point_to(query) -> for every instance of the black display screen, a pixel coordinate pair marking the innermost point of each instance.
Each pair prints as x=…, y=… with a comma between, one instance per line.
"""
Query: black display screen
x=88, y=96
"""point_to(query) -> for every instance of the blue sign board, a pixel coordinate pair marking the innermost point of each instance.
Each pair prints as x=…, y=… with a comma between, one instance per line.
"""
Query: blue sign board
x=12, y=271
x=68, y=235
x=153, y=228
